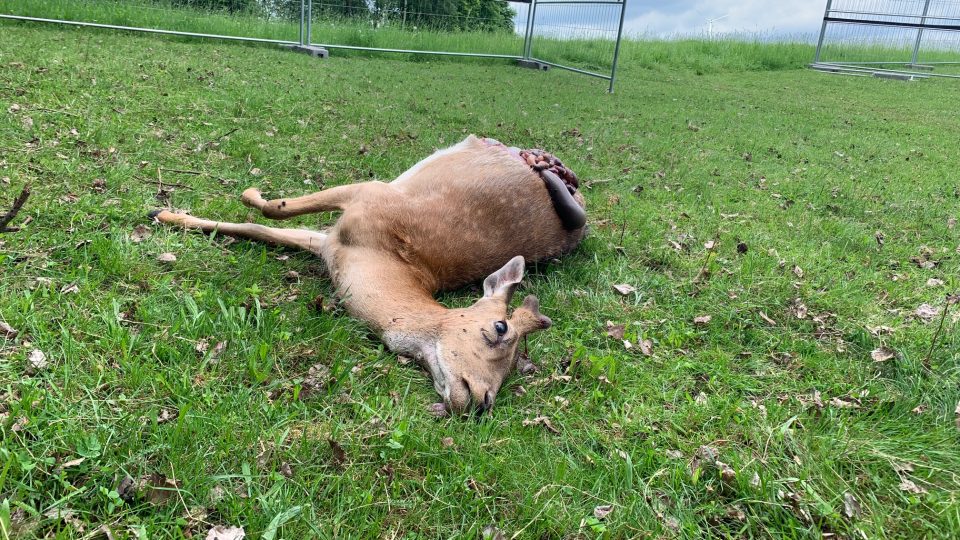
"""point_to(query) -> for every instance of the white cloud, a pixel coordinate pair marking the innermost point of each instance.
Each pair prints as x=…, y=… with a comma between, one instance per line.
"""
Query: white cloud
x=800, y=18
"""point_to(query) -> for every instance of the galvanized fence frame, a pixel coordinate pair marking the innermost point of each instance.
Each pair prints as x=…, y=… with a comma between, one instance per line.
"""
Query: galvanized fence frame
x=305, y=39
x=891, y=15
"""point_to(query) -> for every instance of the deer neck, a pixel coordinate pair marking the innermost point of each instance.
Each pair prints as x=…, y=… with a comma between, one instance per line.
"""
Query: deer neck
x=397, y=302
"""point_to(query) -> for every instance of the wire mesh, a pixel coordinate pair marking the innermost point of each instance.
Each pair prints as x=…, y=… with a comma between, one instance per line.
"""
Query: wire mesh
x=579, y=35
x=269, y=20
x=909, y=36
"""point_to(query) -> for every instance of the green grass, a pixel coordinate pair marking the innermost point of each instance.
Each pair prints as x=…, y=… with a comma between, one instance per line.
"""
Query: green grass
x=707, y=141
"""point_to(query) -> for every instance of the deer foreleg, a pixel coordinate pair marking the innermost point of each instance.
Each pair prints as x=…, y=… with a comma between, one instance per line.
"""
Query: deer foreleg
x=327, y=200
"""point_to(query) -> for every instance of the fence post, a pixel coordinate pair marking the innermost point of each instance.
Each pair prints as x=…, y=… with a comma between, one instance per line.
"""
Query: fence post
x=823, y=31
x=309, y=22
x=303, y=15
x=923, y=20
x=532, y=19
x=616, y=48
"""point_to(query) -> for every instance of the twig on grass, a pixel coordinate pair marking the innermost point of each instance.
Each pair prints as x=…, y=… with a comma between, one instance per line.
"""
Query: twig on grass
x=162, y=183
x=183, y=171
x=17, y=205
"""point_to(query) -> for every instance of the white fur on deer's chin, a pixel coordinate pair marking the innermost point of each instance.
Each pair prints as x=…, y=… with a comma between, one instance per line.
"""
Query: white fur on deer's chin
x=426, y=352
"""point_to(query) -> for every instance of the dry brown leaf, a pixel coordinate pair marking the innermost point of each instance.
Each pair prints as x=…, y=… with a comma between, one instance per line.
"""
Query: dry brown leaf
x=878, y=331
x=951, y=223
x=256, y=171
x=339, y=456
x=140, y=233
x=902, y=467
x=71, y=463
x=624, y=289
x=8, y=331
x=447, y=442
x=672, y=523
x=702, y=320
x=926, y=312
x=167, y=258
x=602, y=511
x=767, y=319
x=709, y=245
x=799, y=309
x=882, y=354
x=615, y=330
x=934, y=282
x=956, y=412
x=70, y=289
x=167, y=414
x=224, y=532
x=543, y=421
x=736, y=513
x=851, y=507
x=727, y=474
x=797, y=271
x=910, y=487
x=157, y=488
x=755, y=480
x=646, y=347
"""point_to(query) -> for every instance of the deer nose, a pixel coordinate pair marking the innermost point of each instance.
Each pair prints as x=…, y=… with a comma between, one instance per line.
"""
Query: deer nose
x=486, y=404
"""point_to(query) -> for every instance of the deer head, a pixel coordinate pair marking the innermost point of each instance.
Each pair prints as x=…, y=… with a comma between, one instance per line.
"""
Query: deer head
x=470, y=351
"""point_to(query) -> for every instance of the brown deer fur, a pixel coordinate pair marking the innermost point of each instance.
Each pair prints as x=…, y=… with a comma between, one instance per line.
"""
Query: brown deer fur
x=465, y=213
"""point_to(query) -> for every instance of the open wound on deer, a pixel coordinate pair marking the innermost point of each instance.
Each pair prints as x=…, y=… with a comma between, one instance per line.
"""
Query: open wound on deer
x=477, y=210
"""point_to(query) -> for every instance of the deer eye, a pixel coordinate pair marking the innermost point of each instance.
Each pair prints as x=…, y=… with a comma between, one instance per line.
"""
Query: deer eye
x=500, y=327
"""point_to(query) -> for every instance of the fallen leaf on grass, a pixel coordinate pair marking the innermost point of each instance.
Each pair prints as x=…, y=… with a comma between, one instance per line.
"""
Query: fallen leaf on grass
x=702, y=320
x=755, y=480
x=8, y=331
x=902, y=467
x=727, y=474
x=339, y=455
x=878, y=331
x=797, y=271
x=221, y=532
x=615, y=330
x=956, y=412
x=167, y=415
x=543, y=421
x=140, y=233
x=671, y=523
x=646, y=347
x=706, y=455
x=767, y=319
x=951, y=223
x=447, y=442
x=799, y=309
x=926, y=312
x=167, y=258
x=624, y=289
x=934, y=282
x=674, y=454
x=602, y=511
x=851, y=507
x=882, y=354
x=910, y=487
x=70, y=289
x=157, y=488
x=736, y=513
x=491, y=532
x=37, y=360
x=71, y=463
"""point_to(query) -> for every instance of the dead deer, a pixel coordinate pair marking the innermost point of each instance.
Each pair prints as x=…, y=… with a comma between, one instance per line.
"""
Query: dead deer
x=477, y=209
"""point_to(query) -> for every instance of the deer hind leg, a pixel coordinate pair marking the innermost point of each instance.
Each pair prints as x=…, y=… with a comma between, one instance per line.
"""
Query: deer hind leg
x=311, y=241
x=327, y=200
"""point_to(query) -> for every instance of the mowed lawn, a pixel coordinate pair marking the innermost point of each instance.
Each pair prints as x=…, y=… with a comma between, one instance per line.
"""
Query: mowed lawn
x=788, y=366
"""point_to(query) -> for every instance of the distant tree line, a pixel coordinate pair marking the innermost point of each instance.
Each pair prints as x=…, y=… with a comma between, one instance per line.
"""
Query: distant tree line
x=486, y=15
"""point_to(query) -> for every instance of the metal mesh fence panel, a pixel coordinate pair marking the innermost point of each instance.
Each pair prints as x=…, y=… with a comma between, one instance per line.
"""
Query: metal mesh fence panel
x=909, y=37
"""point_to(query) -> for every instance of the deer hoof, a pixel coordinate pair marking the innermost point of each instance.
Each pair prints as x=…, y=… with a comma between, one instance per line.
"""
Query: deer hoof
x=438, y=410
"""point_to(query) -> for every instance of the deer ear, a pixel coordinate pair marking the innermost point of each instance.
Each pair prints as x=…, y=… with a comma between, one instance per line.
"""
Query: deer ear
x=503, y=282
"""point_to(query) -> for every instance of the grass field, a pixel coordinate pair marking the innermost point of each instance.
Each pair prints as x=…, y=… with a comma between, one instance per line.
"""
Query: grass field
x=811, y=217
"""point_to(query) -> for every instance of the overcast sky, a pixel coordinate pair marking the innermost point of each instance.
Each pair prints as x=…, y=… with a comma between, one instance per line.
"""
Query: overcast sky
x=798, y=19
x=780, y=17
